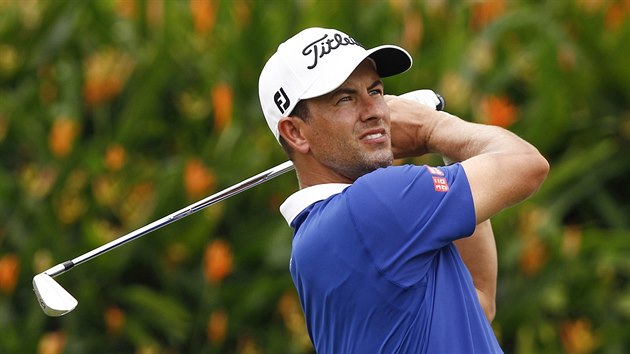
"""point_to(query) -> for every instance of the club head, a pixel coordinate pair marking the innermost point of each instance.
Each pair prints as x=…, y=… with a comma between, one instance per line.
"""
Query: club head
x=54, y=300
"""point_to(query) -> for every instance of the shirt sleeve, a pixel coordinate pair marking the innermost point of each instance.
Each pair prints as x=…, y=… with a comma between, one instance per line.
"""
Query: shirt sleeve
x=405, y=214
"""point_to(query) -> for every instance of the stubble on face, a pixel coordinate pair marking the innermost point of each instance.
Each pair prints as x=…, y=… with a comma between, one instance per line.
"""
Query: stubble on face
x=351, y=160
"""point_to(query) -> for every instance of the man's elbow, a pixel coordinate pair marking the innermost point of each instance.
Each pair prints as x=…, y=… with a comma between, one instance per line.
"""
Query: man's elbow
x=542, y=168
x=537, y=171
x=490, y=310
x=488, y=304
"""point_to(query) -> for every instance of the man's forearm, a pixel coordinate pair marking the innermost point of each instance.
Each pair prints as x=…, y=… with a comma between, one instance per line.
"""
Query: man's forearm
x=459, y=140
x=418, y=129
x=502, y=169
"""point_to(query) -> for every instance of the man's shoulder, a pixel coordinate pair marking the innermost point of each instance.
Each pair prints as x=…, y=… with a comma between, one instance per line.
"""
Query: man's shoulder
x=390, y=172
x=396, y=187
x=400, y=174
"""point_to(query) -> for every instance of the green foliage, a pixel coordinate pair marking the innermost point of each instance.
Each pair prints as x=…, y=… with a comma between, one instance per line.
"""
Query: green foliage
x=114, y=113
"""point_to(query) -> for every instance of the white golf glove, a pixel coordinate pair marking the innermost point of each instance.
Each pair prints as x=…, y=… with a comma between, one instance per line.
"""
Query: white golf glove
x=425, y=97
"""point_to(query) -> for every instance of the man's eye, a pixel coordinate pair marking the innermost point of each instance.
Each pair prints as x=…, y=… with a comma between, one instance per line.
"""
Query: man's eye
x=344, y=99
x=376, y=92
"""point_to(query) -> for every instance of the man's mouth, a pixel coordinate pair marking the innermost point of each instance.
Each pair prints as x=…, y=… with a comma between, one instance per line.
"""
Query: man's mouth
x=374, y=136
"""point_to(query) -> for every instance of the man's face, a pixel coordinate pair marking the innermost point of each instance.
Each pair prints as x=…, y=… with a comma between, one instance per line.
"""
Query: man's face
x=348, y=129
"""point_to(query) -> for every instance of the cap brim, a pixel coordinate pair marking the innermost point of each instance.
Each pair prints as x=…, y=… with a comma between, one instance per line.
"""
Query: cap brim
x=389, y=59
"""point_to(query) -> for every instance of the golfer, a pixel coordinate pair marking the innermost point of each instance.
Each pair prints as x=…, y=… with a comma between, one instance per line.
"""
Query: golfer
x=374, y=258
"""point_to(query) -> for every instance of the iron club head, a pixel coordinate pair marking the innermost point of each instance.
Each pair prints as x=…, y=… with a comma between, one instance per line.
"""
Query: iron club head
x=54, y=300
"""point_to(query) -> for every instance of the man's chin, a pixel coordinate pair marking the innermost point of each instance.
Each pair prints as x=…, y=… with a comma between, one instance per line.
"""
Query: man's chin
x=381, y=161
x=363, y=164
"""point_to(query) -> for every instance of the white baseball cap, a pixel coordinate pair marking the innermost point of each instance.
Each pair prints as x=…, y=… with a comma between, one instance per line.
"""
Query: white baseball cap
x=315, y=62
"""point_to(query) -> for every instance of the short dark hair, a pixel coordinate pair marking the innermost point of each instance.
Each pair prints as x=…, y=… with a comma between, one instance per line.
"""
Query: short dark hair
x=301, y=111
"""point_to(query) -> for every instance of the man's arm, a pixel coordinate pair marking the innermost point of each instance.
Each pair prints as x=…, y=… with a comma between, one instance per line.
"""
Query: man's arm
x=502, y=169
x=479, y=253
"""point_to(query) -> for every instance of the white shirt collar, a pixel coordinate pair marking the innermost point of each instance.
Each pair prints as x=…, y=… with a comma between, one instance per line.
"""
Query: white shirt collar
x=301, y=199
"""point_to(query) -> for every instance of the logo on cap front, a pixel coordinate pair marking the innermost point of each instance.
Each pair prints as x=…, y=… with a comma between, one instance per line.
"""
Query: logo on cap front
x=323, y=46
x=281, y=100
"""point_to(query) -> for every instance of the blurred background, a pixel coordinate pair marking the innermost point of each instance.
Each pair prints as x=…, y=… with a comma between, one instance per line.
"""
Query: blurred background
x=114, y=113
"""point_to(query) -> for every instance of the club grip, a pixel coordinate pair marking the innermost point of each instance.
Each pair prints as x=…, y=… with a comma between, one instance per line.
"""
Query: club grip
x=426, y=97
x=440, y=106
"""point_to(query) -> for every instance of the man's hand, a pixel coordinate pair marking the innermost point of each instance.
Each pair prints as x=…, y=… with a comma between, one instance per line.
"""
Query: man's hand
x=411, y=122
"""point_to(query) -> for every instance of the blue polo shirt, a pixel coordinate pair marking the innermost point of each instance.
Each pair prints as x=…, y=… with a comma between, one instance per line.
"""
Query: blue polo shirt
x=375, y=267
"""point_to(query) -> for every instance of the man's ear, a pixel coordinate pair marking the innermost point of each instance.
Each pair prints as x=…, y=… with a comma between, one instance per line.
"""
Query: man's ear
x=290, y=128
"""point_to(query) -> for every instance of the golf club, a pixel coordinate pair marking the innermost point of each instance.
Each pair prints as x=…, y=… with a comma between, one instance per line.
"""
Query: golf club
x=56, y=301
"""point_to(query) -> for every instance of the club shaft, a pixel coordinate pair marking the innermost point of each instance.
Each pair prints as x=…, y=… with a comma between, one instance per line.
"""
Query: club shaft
x=191, y=209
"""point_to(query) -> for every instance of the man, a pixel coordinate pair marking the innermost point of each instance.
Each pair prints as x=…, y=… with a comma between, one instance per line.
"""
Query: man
x=374, y=260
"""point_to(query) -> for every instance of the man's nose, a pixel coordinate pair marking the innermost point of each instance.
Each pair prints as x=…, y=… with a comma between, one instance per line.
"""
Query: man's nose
x=372, y=107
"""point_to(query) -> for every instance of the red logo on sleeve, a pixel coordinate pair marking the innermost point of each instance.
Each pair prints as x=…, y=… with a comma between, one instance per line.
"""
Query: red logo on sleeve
x=440, y=184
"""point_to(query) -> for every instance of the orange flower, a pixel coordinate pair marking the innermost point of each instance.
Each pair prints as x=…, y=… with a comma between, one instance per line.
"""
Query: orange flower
x=217, y=261
x=498, y=110
x=126, y=8
x=139, y=203
x=52, y=343
x=246, y=344
x=398, y=5
x=533, y=257
x=70, y=204
x=155, y=12
x=204, y=15
x=38, y=180
x=571, y=241
x=534, y=252
x=577, y=337
x=457, y=89
x=114, y=320
x=217, y=326
x=291, y=312
x=486, y=11
x=616, y=14
x=590, y=6
x=106, y=190
x=242, y=13
x=288, y=306
x=42, y=260
x=413, y=31
x=115, y=157
x=62, y=135
x=222, y=101
x=198, y=180
x=105, y=75
x=9, y=270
